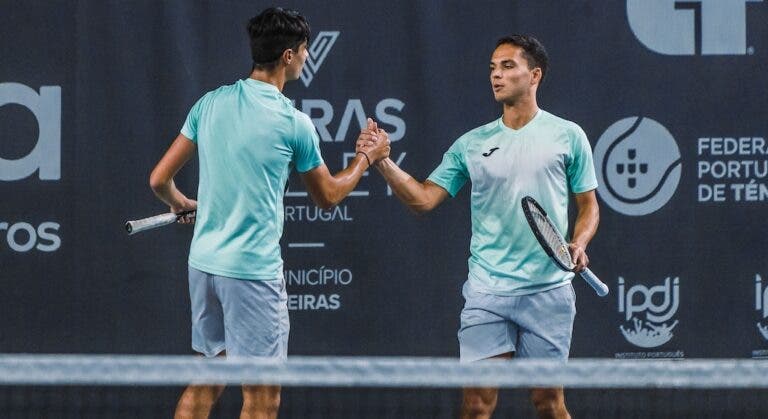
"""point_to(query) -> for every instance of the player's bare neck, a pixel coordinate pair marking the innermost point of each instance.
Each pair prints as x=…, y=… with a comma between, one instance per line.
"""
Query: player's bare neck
x=275, y=77
x=519, y=114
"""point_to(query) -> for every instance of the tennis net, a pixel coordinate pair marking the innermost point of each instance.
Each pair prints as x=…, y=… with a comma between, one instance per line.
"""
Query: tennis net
x=91, y=386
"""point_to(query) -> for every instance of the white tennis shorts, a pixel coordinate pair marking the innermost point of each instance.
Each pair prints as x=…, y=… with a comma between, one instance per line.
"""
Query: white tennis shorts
x=243, y=317
x=538, y=325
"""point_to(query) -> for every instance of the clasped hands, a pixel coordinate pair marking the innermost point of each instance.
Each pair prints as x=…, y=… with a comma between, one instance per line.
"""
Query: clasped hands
x=373, y=143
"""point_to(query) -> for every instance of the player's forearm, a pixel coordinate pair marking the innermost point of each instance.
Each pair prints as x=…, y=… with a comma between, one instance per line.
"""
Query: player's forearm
x=584, y=229
x=407, y=189
x=167, y=192
x=345, y=181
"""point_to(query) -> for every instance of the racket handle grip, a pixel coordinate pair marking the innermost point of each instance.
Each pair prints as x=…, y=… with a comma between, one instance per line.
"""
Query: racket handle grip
x=600, y=288
x=136, y=226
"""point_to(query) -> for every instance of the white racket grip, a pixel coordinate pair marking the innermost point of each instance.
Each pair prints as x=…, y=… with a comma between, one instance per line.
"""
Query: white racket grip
x=600, y=288
x=136, y=226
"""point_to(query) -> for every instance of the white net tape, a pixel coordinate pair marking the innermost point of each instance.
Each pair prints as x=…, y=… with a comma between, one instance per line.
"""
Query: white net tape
x=380, y=372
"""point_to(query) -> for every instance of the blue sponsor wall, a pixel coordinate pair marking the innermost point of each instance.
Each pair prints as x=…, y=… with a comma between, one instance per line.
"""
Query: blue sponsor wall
x=672, y=96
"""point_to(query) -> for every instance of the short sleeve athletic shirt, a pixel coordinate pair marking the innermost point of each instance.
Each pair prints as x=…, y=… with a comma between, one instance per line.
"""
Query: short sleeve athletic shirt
x=248, y=137
x=546, y=159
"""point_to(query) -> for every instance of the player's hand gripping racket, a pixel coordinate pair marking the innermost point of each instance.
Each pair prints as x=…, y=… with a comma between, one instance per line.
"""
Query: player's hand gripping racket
x=137, y=226
x=554, y=243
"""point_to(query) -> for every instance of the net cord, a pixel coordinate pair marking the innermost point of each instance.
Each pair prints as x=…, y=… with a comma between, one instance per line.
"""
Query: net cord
x=121, y=370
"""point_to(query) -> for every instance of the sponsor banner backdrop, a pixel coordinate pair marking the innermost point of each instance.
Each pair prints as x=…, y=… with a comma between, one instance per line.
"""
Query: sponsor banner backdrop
x=671, y=95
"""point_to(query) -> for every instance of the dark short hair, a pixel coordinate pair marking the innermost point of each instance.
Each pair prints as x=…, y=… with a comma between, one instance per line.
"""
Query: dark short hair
x=533, y=51
x=273, y=31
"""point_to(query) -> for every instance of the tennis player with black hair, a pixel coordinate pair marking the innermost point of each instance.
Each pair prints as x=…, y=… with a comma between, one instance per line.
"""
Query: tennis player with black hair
x=518, y=303
x=248, y=137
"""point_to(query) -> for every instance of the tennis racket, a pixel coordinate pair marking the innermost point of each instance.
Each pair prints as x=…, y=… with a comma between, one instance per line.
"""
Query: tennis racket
x=554, y=243
x=137, y=226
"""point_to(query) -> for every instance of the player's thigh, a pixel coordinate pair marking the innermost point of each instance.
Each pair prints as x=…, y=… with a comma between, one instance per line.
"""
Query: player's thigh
x=546, y=323
x=207, y=314
x=255, y=317
x=485, y=331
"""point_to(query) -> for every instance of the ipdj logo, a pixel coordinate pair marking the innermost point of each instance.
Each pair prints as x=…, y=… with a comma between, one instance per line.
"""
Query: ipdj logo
x=46, y=156
x=319, y=49
x=761, y=304
x=703, y=27
x=637, y=300
x=638, y=166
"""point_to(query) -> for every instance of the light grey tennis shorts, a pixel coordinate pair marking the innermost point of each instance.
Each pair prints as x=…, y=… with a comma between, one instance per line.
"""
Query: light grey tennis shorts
x=247, y=318
x=533, y=326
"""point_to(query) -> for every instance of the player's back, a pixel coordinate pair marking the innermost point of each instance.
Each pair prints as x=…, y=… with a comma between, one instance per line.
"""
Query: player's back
x=245, y=134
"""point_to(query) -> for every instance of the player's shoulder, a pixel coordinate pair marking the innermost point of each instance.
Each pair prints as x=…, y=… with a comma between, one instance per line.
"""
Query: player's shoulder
x=484, y=130
x=475, y=136
x=481, y=133
x=556, y=122
x=211, y=95
x=301, y=118
x=225, y=89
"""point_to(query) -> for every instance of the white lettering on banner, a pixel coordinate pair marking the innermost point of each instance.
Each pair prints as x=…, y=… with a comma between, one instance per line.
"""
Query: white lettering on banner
x=744, y=146
x=320, y=276
x=316, y=278
x=312, y=213
x=337, y=120
x=651, y=355
x=673, y=27
x=45, y=157
x=732, y=169
x=638, y=167
x=639, y=299
x=322, y=112
x=761, y=304
x=646, y=301
x=314, y=302
x=23, y=237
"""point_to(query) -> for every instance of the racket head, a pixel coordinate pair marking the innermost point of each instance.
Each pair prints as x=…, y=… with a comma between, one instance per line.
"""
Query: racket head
x=547, y=234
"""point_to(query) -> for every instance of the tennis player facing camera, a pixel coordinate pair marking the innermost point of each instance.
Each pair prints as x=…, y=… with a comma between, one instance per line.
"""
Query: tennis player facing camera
x=518, y=302
x=248, y=137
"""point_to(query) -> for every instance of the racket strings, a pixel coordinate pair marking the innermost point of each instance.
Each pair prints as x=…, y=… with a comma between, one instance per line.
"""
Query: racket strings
x=553, y=238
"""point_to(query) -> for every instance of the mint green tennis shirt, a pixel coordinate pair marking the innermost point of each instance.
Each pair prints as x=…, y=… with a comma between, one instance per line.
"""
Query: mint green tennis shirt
x=248, y=137
x=546, y=159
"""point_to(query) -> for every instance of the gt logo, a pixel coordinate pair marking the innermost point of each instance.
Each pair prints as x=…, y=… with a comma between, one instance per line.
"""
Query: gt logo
x=319, y=49
x=701, y=27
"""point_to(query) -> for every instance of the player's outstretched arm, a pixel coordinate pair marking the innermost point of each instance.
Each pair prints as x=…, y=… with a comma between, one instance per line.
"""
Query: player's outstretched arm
x=328, y=190
x=419, y=197
x=587, y=219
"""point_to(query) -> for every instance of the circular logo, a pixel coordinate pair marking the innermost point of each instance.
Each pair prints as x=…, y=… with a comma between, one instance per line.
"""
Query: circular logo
x=638, y=166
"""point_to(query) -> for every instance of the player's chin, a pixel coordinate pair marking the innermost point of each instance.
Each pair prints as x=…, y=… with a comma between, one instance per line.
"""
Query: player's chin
x=504, y=98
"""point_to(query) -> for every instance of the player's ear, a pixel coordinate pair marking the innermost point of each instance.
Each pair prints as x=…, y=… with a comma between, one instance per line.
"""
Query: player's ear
x=537, y=74
x=288, y=55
